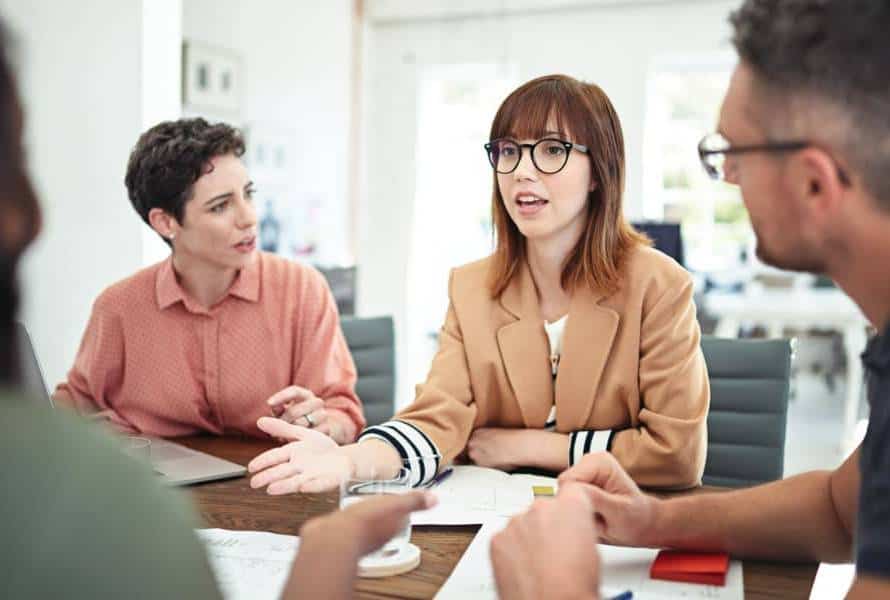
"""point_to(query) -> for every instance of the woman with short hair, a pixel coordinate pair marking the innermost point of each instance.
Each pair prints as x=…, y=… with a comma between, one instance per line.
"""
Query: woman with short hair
x=218, y=334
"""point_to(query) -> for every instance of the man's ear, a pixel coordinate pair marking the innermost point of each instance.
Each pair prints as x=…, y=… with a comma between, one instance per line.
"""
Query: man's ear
x=818, y=182
x=164, y=223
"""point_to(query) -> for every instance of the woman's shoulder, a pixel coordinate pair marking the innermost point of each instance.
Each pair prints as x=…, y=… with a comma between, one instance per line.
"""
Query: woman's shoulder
x=131, y=291
x=287, y=275
x=648, y=266
x=471, y=278
x=277, y=267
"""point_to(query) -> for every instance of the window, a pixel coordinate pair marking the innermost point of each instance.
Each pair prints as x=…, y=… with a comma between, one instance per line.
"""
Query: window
x=684, y=99
x=451, y=224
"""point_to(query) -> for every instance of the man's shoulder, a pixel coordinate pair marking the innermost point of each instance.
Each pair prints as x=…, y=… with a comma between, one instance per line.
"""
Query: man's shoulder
x=76, y=502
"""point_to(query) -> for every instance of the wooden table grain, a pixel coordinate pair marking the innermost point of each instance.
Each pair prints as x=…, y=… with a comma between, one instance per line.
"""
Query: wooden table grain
x=232, y=504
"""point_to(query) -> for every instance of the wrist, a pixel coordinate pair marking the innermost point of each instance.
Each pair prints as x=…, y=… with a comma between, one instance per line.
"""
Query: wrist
x=325, y=537
x=544, y=449
x=345, y=430
x=660, y=523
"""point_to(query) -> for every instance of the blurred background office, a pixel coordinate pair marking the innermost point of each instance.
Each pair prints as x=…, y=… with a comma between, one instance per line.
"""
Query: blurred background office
x=365, y=121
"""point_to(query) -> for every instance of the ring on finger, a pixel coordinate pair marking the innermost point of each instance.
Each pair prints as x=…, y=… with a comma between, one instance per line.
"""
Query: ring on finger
x=309, y=420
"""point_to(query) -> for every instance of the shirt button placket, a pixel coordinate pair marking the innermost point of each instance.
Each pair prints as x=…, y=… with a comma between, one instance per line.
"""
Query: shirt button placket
x=211, y=362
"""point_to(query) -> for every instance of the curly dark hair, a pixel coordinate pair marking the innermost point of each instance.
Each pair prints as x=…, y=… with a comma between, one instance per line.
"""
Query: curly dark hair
x=832, y=56
x=170, y=157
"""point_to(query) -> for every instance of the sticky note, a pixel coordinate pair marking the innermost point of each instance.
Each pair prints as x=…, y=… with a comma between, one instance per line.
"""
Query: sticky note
x=692, y=567
x=543, y=490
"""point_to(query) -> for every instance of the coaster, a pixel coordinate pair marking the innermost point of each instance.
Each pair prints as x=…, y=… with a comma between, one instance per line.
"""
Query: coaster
x=403, y=561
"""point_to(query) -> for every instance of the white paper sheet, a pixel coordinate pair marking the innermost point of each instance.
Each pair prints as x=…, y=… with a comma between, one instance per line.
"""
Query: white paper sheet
x=621, y=569
x=473, y=578
x=474, y=495
x=833, y=581
x=249, y=565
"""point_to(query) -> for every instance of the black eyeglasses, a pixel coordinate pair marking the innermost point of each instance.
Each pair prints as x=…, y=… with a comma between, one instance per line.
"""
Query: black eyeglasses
x=549, y=155
x=714, y=148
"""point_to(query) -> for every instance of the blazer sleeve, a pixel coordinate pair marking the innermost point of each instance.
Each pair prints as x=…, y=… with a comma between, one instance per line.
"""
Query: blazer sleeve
x=668, y=447
x=434, y=429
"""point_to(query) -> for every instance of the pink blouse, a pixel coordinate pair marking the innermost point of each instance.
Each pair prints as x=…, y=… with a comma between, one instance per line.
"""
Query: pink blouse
x=166, y=366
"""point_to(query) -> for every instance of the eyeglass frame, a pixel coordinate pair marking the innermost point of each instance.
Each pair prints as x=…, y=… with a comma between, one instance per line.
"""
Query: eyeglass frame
x=770, y=147
x=569, y=146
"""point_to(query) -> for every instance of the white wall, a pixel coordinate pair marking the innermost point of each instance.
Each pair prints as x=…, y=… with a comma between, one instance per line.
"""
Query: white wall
x=610, y=42
x=80, y=68
x=296, y=66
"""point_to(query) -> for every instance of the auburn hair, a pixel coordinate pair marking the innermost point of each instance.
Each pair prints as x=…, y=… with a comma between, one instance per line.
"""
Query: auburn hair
x=583, y=112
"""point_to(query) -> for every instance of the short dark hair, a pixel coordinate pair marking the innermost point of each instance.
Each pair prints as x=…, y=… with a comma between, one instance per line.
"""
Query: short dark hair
x=828, y=55
x=170, y=157
x=19, y=212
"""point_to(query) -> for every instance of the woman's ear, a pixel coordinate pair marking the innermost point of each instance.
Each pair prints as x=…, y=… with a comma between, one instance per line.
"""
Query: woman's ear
x=163, y=223
x=593, y=185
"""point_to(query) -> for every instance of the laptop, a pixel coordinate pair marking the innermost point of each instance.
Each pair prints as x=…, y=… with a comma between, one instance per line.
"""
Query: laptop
x=174, y=463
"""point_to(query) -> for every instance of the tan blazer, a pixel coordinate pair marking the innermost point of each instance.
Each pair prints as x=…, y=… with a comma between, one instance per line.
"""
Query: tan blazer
x=631, y=362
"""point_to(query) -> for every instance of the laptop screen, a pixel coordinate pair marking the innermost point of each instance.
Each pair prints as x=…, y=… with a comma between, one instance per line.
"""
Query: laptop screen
x=32, y=376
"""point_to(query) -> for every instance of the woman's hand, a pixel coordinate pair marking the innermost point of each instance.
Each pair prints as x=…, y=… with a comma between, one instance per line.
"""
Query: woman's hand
x=300, y=406
x=311, y=462
x=499, y=448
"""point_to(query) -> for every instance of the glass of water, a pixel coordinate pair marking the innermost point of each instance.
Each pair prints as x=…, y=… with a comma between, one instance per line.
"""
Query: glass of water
x=375, y=483
x=138, y=448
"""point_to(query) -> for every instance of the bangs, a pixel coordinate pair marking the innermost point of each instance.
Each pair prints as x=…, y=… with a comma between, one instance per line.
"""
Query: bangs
x=541, y=107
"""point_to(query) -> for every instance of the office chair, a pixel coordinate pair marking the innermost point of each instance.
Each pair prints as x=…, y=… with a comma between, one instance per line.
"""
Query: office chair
x=749, y=409
x=372, y=344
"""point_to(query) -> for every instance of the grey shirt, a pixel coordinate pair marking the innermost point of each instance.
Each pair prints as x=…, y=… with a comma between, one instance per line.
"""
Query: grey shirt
x=79, y=519
x=873, y=524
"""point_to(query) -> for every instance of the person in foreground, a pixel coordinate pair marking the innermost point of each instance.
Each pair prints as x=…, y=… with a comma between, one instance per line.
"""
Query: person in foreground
x=79, y=519
x=573, y=336
x=805, y=133
x=218, y=334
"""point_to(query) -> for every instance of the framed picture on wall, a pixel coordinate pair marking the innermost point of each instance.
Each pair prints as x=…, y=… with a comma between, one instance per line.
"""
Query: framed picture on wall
x=212, y=79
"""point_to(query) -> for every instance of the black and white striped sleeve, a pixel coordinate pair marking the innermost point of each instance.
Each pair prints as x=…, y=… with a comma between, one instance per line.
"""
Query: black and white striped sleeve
x=419, y=454
x=583, y=442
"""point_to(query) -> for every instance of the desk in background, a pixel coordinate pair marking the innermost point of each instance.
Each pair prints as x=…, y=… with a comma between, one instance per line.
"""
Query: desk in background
x=801, y=309
x=233, y=504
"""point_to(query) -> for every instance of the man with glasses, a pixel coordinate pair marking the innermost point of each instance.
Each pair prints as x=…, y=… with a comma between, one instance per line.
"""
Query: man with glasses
x=805, y=133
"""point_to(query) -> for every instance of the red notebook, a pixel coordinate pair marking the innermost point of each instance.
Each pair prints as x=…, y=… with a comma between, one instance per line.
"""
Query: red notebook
x=693, y=567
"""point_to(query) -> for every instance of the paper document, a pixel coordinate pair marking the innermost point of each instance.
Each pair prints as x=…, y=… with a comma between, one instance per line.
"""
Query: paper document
x=473, y=495
x=833, y=581
x=473, y=578
x=621, y=569
x=249, y=565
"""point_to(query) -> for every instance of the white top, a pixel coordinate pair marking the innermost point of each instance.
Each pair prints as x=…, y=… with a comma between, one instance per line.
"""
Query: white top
x=554, y=337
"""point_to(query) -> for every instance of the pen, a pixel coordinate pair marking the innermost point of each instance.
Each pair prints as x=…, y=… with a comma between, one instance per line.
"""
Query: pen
x=440, y=477
x=628, y=595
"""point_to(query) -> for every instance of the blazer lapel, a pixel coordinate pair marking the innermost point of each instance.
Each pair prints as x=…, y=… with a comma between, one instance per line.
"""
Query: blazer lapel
x=586, y=344
x=524, y=350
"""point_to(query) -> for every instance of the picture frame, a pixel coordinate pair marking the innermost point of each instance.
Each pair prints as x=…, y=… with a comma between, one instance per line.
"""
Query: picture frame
x=212, y=79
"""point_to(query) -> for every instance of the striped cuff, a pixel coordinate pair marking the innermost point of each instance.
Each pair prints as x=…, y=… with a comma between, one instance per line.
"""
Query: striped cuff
x=583, y=442
x=418, y=452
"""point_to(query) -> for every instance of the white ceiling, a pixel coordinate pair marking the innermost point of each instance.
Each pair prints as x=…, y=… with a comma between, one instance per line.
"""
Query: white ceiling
x=380, y=11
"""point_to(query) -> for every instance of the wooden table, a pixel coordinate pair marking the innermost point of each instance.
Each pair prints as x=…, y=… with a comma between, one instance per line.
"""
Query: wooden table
x=232, y=504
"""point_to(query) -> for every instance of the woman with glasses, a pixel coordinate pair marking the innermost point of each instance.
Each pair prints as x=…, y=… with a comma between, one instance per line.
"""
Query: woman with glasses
x=573, y=337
